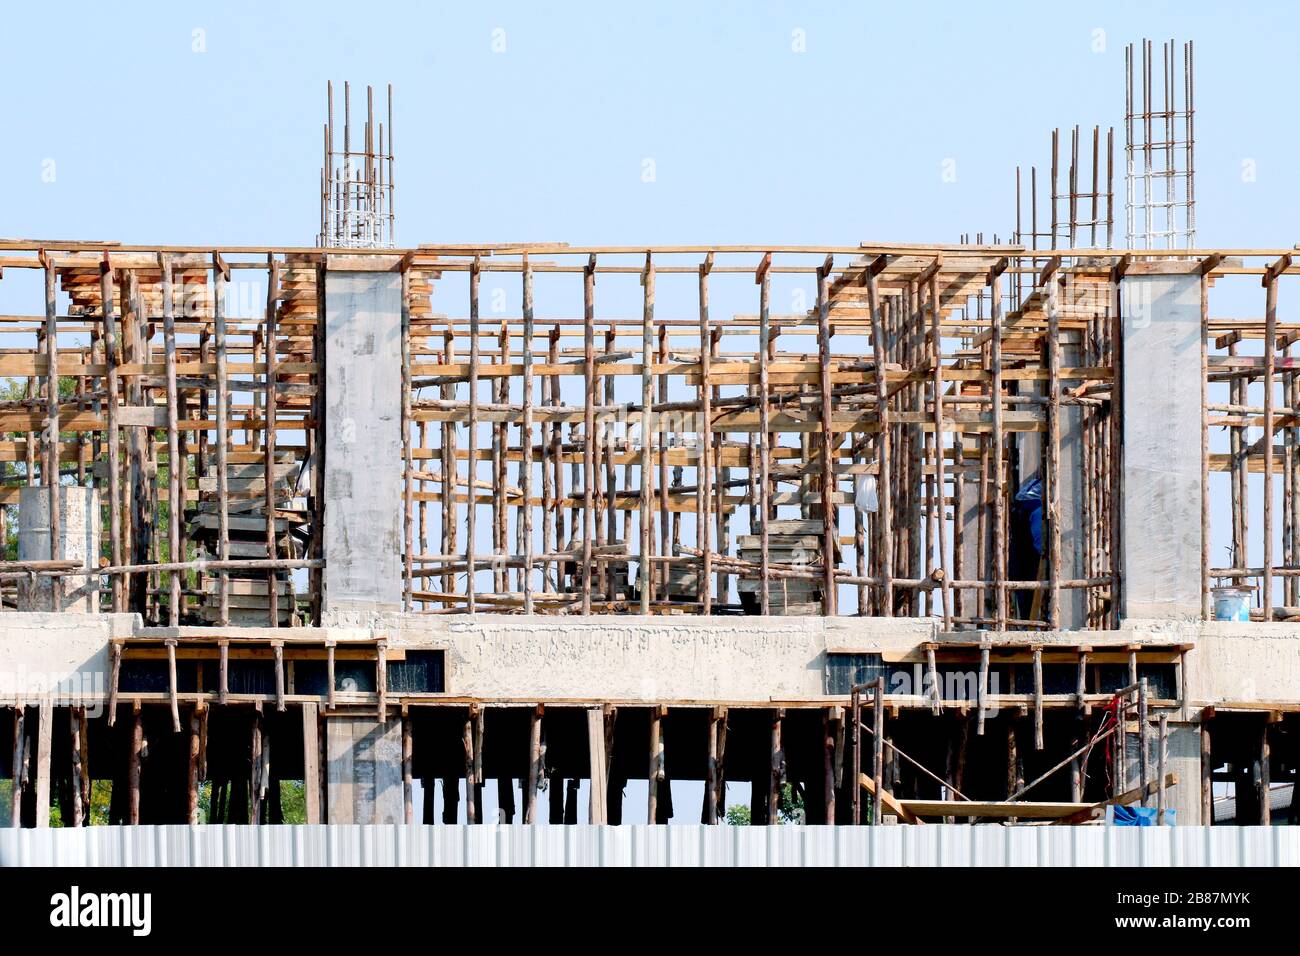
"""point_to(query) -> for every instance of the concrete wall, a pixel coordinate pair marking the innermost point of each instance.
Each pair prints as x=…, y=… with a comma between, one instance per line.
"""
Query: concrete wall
x=78, y=539
x=1161, y=557
x=365, y=770
x=43, y=653
x=363, y=445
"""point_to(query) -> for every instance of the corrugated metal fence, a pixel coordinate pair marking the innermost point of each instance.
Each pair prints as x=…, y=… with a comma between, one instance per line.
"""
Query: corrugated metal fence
x=494, y=845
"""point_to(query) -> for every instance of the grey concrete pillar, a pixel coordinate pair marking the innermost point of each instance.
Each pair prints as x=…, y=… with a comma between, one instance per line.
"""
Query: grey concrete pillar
x=364, y=774
x=78, y=540
x=363, y=446
x=1161, y=533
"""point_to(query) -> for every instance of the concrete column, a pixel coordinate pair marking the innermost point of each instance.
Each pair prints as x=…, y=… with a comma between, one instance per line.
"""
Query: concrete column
x=79, y=540
x=363, y=446
x=365, y=770
x=1161, y=533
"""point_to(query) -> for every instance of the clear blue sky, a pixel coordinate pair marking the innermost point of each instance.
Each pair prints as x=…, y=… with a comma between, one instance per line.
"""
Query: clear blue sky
x=753, y=142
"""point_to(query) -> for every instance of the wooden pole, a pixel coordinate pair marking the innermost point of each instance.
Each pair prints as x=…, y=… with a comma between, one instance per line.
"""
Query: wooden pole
x=272, y=407
x=1054, y=470
x=884, y=517
x=408, y=467
x=192, y=786
x=80, y=807
x=171, y=685
x=133, y=765
x=1207, y=771
x=114, y=434
x=408, y=781
x=597, y=814
x=764, y=433
x=878, y=749
x=589, y=428
x=704, y=479
x=647, y=441
x=776, y=781
x=220, y=276
x=995, y=373
x=830, y=534
x=656, y=774
x=526, y=439
x=472, y=451
x=535, y=769
x=940, y=482
x=52, y=429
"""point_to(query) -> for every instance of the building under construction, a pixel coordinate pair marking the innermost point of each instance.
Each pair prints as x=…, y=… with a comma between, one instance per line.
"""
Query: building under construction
x=888, y=533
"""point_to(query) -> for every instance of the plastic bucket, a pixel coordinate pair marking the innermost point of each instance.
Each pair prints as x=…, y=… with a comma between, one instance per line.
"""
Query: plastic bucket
x=1231, y=603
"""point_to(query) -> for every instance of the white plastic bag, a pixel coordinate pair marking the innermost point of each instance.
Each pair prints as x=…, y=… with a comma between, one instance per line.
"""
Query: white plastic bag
x=865, y=498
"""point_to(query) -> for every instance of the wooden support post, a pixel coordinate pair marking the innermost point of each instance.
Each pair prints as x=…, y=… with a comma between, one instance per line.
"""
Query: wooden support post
x=855, y=738
x=175, y=499
x=535, y=769
x=114, y=677
x=1270, y=354
x=1144, y=756
x=381, y=679
x=982, y=690
x=192, y=785
x=597, y=815
x=19, y=762
x=884, y=517
x=830, y=532
x=272, y=408
x=940, y=481
x=277, y=648
x=1161, y=742
x=711, y=799
x=1038, y=698
x=997, y=451
x=1054, y=470
x=588, y=426
x=647, y=442
x=44, y=742
x=408, y=465
x=52, y=447
x=656, y=773
x=829, y=720
x=408, y=779
x=80, y=767
x=935, y=689
x=133, y=764
x=777, y=778
x=311, y=768
x=878, y=749
x=114, y=433
x=329, y=674
x=764, y=433
x=526, y=439
x=171, y=685
x=471, y=780
x=704, y=467
x=223, y=672
x=1265, y=765
x=1207, y=770
x=471, y=495
x=220, y=276
x=256, y=783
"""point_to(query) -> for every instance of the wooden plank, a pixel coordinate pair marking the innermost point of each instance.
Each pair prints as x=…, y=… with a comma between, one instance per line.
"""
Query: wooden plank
x=311, y=761
x=44, y=738
x=597, y=814
x=892, y=806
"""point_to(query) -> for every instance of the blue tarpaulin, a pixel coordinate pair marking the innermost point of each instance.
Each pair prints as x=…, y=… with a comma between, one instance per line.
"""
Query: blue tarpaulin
x=1138, y=816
